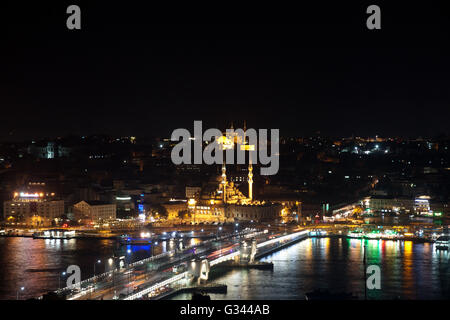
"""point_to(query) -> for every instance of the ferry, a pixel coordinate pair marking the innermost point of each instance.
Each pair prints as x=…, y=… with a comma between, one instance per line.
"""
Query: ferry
x=145, y=239
x=135, y=241
x=356, y=234
x=442, y=243
x=54, y=234
x=317, y=233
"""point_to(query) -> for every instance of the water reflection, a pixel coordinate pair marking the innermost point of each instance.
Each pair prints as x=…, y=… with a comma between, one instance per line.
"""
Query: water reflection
x=408, y=271
x=37, y=264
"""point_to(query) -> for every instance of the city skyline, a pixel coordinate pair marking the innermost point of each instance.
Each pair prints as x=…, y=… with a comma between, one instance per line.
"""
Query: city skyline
x=159, y=153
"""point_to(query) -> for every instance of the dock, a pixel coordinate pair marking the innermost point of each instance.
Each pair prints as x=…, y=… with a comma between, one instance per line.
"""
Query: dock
x=204, y=288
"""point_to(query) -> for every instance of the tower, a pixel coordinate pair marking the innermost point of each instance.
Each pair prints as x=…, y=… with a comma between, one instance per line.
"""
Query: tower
x=224, y=182
x=250, y=180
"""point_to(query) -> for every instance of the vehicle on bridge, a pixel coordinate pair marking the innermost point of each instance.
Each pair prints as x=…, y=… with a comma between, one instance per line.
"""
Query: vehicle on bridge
x=179, y=268
x=222, y=251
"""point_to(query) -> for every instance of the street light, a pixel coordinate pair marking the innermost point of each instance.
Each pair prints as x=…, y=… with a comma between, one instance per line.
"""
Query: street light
x=128, y=259
x=110, y=262
x=18, y=292
x=59, y=279
x=98, y=261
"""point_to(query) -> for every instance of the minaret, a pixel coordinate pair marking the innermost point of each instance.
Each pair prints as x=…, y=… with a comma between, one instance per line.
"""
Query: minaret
x=250, y=180
x=224, y=182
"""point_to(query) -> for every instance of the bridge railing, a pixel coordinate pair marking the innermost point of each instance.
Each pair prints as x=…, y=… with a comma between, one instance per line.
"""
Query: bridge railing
x=179, y=277
x=283, y=238
x=107, y=273
x=146, y=260
x=224, y=258
x=157, y=286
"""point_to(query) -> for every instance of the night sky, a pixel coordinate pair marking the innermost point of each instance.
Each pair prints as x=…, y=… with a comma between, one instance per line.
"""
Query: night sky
x=135, y=70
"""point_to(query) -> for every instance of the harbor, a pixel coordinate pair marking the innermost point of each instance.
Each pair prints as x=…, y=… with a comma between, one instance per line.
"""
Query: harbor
x=146, y=238
x=124, y=237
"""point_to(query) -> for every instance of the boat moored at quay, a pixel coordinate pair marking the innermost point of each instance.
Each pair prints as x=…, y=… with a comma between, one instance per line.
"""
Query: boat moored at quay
x=54, y=234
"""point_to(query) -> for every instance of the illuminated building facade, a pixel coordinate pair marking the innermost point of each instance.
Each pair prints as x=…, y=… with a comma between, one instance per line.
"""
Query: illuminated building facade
x=421, y=205
x=389, y=204
x=259, y=212
x=94, y=211
x=37, y=209
x=192, y=191
x=126, y=205
x=48, y=150
x=206, y=210
x=174, y=207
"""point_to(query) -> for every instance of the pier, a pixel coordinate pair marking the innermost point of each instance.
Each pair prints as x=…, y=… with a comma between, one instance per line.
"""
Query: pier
x=205, y=288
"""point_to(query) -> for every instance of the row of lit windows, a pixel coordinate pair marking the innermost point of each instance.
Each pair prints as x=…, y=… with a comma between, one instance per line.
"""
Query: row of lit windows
x=247, y=215
x=215, y=212
x=202, y=208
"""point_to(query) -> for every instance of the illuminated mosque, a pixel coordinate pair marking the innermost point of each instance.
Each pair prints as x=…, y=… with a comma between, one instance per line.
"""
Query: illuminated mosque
x=227, y=203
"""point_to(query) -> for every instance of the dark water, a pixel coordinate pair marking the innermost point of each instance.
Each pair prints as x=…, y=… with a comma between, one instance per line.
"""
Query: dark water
x=408, y=271
x=37, y=264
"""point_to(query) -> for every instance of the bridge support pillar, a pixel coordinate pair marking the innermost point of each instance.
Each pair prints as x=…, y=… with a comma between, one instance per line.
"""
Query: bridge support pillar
x=204, y=271
x=248, y=252
x=252, y=251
